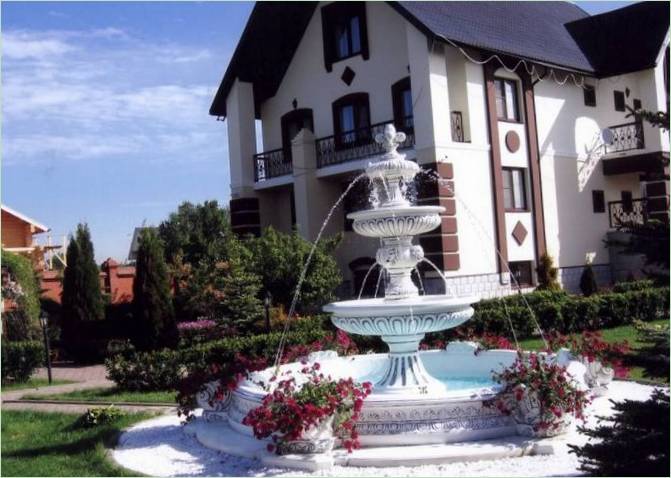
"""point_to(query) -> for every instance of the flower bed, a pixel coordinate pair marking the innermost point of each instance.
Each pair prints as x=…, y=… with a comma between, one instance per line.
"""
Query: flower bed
x=298, y=416
x=540, y=395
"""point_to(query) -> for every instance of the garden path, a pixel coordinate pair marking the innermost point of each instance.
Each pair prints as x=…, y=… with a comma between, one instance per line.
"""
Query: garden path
x=87, y=376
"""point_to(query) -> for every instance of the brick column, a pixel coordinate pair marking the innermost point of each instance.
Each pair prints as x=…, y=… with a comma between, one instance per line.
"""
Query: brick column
x=441, y=246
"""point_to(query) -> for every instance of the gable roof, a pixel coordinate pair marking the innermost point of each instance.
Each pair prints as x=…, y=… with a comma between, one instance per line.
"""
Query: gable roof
x=553, y=33
x=624, y=40
x=38, y=226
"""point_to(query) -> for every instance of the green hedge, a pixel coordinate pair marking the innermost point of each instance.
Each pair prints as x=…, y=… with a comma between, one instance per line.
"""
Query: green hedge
x=634, y=285
x=566, y=313
x=164, y=369
x=20, y=359
x=23, y=324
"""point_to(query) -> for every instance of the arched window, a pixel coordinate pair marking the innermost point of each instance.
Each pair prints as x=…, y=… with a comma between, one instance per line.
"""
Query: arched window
x=351, y=120
x=292, y=123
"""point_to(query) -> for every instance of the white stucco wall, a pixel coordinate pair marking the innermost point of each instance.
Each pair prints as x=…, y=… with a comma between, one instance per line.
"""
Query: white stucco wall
x=313, y=87
x=570, y=156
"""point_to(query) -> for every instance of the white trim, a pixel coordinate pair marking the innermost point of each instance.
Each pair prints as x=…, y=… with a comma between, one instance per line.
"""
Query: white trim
x=660, y=54
x=25, y=218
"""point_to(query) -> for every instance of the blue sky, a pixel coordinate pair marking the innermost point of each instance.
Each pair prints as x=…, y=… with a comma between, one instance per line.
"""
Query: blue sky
x=104, y=111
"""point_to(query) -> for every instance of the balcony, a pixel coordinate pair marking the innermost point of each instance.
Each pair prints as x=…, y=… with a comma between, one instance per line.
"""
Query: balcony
x=359, y=143
x=634, y=211
x=626, y=137
x=271, y=164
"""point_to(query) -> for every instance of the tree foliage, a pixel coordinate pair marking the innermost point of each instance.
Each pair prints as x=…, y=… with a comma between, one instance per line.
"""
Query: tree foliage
x=153, y=313
x=588, y=284
x=634, y=443
x=196, y=233
x=81, y=298
x=279, y=259
x=19, y=276
x=547, y=274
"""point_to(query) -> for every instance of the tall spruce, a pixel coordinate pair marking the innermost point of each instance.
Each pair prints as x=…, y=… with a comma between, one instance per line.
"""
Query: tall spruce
x=547, y=274
x=81, y=298
x=153, y=313
x=588, y=285
x=633, y=442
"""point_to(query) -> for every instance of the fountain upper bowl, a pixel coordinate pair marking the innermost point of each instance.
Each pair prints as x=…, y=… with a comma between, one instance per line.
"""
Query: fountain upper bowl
x=389, y=317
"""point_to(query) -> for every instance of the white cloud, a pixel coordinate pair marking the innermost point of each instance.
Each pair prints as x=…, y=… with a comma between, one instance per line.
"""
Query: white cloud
x=85, y=95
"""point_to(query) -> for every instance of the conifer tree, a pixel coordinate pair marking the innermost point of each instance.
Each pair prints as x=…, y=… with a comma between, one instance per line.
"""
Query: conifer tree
x=547, y=274
x=634, y=443
x=588, y=284
x=81, y=298
x=153, y=312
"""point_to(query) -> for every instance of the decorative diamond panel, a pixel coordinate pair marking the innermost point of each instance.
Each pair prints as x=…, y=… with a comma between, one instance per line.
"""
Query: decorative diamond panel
x=520, y=233
x=348, y=75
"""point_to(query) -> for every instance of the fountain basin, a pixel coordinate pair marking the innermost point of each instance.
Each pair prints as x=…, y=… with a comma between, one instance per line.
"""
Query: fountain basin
x=397, y=221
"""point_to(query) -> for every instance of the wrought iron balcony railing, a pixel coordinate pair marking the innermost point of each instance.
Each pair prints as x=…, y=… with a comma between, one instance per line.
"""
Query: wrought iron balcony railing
x=271, y=164
x=628, y=212
x=359, y=143
x=626, y=137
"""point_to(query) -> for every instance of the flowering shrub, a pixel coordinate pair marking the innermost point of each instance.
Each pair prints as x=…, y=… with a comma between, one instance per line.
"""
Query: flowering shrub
x=545, y=382
x=341, y=343
x=291, y=409
x=591, y=345
x=197, y=331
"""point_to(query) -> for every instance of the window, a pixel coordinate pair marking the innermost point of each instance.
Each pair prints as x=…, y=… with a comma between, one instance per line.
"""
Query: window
x=598, y=201
x=618, y=97
x=514, y=189
x=351, y=120
x=360, y=268
x=292, y=123
x=507, y=106
x=521, y=273
x=637, y=104
x=627, y=201
x=401, y=96
x=344, y=31
x=589, y=94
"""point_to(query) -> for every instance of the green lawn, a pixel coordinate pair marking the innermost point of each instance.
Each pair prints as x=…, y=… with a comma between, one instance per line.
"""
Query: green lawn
x=49, y=444
x=32, y=383
x=109, y=395
x=615, y=334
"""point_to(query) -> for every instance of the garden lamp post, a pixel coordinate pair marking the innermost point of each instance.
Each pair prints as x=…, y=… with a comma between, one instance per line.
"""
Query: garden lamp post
x=44, y=322
x=267, y=302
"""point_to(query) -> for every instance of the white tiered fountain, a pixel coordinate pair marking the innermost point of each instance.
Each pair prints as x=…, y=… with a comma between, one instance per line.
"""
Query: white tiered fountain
x=422, y=399
x=402, y=317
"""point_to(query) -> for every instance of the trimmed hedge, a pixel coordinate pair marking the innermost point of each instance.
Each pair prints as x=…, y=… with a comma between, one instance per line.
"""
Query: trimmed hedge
x=164, y=369
x=634, y=285
x=20, y=359
x=566, y=313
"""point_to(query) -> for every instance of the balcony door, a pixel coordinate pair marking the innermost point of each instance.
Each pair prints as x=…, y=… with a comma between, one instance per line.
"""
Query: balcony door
x=351, y=120
x=401, y=96
x=292, y=123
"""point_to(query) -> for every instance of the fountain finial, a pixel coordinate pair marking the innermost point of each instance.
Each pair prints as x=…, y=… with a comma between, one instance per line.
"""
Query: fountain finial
x=390, y=139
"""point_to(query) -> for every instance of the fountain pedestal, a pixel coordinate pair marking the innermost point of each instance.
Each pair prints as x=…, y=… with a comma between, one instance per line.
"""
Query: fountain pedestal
x=403, y=317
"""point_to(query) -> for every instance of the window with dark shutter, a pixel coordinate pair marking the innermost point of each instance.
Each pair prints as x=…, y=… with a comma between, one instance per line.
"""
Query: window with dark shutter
x=598, y=201
x=344, y=31
x=401, y=97
x=292, y=123
x=507, y=102
x=351, y=120
x=637, y=104
x=514, y=189
x=589, y=94
x=618, y=98
x=521, y=272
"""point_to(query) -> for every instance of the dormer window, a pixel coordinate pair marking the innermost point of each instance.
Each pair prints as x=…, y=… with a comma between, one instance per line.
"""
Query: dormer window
x=344, y=31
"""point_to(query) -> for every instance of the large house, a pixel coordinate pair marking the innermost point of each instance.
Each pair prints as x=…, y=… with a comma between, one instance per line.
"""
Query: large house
x=522, y=107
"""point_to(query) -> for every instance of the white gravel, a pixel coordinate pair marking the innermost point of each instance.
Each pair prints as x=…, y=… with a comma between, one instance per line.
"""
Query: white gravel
x=159, y=447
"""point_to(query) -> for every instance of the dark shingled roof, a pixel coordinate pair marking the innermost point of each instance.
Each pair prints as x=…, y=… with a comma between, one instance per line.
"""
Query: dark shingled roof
x=624, y=40
x=558, y=34
x=530, y=30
